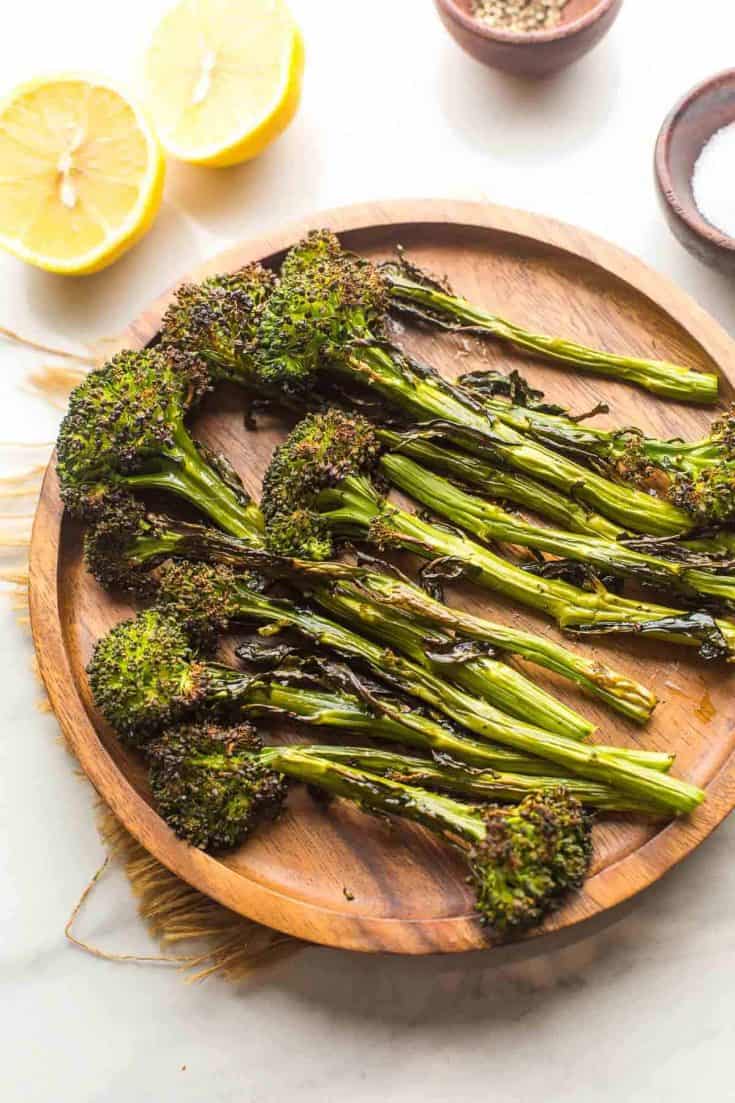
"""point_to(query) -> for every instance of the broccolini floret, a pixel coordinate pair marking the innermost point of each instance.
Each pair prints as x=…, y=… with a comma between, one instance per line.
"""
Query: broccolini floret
x=211, y=326
x=125, y=430
x=209, y=785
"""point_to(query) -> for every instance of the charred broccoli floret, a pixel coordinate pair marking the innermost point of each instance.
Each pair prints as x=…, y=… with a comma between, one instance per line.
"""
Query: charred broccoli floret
x=205, y=598
x=708, y=496
x=123, y=542
x=211, y=325
x=312, y=487
x=321, y=450
x=145, y=675
x=209, y=784
x=125, y=430
x=532, y=855
x=126, y=542
x=326, y=300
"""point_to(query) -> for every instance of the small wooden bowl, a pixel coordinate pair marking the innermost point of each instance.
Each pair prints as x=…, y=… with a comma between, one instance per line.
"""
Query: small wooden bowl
x=531, y=53
x=699, y=115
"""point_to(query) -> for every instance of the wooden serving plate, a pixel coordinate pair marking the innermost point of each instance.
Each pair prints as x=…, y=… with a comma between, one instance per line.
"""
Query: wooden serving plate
x=335, y=875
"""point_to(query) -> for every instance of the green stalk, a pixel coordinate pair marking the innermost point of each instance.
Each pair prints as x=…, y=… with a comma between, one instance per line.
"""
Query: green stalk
x=593, y=763
x=495, y=482
x=483, y=676
x=561, y=432
x=491, y=524
x=658, y=376
x=402, y=674
x=379, y=794
x=478, y=716
x=425, y=396
x=389, y=723
x=183, y=472
x=161, y=538
x=478, y=785
x=470, y=676
x=506, y=485
x=355, y=511
x=620, y=693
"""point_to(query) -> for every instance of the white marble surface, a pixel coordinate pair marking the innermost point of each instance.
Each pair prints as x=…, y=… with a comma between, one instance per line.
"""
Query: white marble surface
x=640, y=1011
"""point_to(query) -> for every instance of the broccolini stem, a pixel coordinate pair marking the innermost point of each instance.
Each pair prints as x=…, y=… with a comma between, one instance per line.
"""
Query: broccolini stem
x=572, y=608
x=486, y=677
x=658, y=376
x=478, y=784
x=378, y=794
x=541, y=499
x=177, y=538
x=390, y=723
x=594, y=763
x=425, y=396
x=565, y=434
x=478, y=716
x=402, y=674
x=184, y=472
x=626, y=696
x=506, y=485
x=489, y=523
x=504, y=687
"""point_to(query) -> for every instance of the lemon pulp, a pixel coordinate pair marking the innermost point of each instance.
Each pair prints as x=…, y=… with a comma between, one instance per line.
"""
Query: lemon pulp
x=81, y=174
x=223, y=78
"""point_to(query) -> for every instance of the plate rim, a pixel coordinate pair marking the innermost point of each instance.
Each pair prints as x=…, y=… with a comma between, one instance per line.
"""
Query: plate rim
x=265, y=904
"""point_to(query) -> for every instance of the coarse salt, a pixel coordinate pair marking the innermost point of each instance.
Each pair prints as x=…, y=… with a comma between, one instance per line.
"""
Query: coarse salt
x=712, y=180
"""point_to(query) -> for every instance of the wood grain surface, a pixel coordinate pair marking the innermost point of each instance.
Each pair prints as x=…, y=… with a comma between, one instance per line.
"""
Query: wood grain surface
x=408, y=893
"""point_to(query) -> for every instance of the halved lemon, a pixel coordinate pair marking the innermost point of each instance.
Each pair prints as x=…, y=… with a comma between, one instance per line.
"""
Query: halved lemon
x=81, y=174
x=223, y=78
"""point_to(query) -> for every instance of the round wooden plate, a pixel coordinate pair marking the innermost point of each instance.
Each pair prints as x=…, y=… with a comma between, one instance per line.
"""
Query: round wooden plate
x=335, y=875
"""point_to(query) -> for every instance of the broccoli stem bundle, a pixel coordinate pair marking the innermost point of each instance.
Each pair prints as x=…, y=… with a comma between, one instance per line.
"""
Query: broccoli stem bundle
x=562, y=431
x=490, y=523
x=354, y=510
x=385, y=720
x=388, y=722
x=425, y=396
x=387, y=593
x=496, y=482
x=379, y=794
x=327, y=313
x=416, y=294
x=712, y=549
x=473, y=783
x=144, y=675
x=213, y=786
x=204, y=597
x=502, y=686
x=120, y=549
x=698, y=477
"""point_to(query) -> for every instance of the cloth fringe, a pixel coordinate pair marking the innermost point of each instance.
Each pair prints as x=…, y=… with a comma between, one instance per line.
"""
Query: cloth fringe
x=224, y=943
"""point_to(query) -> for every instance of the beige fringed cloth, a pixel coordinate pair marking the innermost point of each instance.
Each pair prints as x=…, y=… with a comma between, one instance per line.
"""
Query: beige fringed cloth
x=213, y=939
